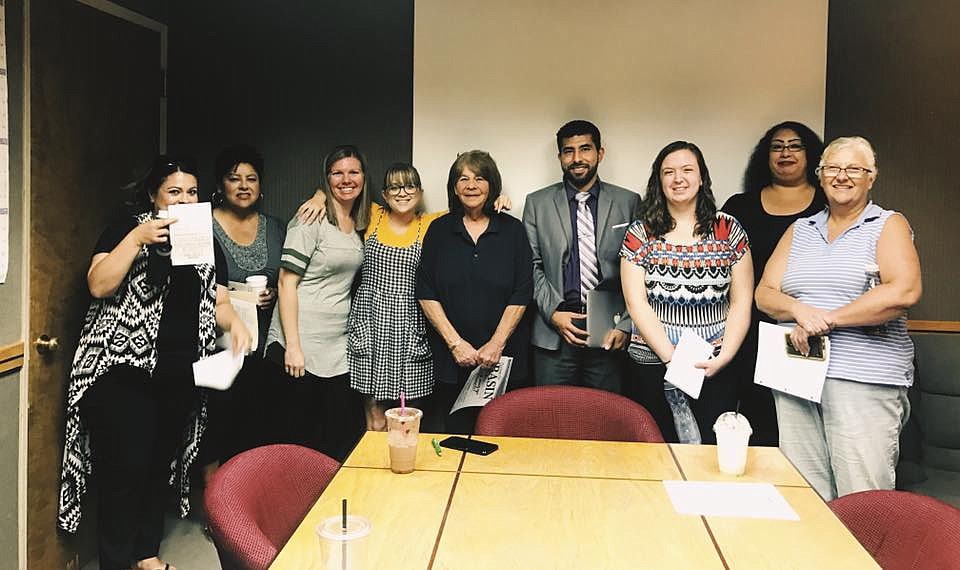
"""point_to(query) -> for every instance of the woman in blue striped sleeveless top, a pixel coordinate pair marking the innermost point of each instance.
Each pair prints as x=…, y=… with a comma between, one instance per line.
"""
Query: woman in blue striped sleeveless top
x=849, y=272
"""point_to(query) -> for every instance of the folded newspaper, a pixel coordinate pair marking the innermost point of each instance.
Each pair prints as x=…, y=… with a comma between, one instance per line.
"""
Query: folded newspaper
x=484, y=384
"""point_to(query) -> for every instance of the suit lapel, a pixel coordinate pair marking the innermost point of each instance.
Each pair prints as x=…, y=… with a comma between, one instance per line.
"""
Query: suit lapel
x=604, y=205
x=563, y=213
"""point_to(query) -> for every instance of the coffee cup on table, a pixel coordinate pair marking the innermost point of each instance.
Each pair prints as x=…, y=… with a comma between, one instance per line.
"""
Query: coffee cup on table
x=257, y=284
x=403, y=430
x=343, y=542
x=733, y=437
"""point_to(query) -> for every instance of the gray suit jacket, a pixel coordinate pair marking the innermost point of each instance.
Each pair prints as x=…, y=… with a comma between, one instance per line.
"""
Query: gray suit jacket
x=546, y=216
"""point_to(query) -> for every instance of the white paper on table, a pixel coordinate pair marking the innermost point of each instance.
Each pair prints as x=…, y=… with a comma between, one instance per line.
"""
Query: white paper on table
x=742, y=500
x=191, y=236
x=217, y=371
x=682, y=373
x=245, y=304
x=800, y=377
x=484, y=384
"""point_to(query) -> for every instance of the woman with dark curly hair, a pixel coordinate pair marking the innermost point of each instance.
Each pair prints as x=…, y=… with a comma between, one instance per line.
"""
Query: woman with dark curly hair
x=780, y=185
x=684, y=266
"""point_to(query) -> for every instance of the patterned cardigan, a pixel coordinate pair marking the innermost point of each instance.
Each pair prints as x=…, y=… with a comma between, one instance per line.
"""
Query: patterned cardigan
x=122, y=329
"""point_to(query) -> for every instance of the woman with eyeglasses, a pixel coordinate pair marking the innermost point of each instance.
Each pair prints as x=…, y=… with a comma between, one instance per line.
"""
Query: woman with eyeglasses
x=780, y=185
x=134, y=415
x=849, y=272
x=387, y=343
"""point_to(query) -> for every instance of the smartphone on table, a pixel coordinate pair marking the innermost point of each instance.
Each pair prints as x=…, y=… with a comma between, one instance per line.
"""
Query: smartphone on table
x=469, y=445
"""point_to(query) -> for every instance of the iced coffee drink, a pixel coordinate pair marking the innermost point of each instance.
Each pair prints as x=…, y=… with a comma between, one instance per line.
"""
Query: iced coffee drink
x=403, y=429
x=733, y=436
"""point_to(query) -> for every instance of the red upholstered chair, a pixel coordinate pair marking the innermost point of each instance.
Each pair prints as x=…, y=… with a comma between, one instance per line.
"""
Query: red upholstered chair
x=903, y=530
x=256, y=500
x=567, y=412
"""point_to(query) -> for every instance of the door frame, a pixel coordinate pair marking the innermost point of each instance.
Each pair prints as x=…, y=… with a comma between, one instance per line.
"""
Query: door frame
x=124, y=14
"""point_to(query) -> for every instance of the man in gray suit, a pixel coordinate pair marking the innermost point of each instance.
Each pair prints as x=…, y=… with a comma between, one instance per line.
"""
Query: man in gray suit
x=576, y=228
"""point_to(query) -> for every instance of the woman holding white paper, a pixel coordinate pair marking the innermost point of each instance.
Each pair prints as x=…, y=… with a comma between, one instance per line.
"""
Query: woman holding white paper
x=850, y=272
x=131, y=394
x=684, y=266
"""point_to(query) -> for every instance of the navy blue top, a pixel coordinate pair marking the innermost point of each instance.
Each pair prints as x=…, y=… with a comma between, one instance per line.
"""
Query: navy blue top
x=475, y=282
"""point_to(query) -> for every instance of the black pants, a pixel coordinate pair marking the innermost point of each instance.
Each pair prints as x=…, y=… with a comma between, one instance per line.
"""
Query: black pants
x=136, y=426
x=579, y=366
x=437, y=417
x=718, y=395
x=324, y=414
x=245, y=416
x=756, y=401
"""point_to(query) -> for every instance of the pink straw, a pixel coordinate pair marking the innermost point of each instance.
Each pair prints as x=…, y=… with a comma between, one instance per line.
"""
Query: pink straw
x=403, y=404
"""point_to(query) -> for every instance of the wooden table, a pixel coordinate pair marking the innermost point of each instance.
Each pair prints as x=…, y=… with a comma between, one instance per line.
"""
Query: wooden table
x=541, y=503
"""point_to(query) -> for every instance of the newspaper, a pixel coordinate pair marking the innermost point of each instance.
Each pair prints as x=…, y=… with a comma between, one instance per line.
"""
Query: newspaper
x=484, y=384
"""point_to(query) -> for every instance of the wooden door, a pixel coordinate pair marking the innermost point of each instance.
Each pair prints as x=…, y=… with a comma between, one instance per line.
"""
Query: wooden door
x=95, y=121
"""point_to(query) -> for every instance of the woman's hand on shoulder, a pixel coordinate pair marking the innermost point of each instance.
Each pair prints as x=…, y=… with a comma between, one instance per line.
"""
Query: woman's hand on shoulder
x=503, y=202
x=311, y=210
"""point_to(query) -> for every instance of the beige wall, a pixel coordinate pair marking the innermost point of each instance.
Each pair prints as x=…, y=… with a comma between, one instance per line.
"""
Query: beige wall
x=503, y=75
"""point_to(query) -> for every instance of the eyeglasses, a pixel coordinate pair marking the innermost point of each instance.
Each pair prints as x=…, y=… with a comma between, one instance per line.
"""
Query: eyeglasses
x=852, y=172
x=396, y=189
x=792, y=147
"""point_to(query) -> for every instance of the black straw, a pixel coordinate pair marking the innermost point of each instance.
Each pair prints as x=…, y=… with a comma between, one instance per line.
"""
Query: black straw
x=344, y=509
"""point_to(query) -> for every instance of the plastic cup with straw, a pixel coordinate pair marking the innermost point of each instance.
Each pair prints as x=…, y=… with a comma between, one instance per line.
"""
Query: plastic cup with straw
x=342, y=539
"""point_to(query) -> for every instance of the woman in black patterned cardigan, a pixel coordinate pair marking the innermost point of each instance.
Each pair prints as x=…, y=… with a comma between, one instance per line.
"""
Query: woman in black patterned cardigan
x=133, y=412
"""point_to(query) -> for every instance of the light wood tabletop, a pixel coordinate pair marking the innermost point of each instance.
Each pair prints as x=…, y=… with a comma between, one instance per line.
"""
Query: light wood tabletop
x=517, y=521
x=405, y=511
x=764, y=465
x=817, y=540
x=574, y=458
x=372, y=452
x=542, y=503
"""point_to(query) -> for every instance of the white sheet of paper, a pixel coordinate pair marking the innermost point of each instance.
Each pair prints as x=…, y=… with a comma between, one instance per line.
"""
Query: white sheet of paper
x=217, y=371
x=777, y=370
x=245, y=304
x=682, y=373
x=191, y=236
x=742, y=500
x=484, y=384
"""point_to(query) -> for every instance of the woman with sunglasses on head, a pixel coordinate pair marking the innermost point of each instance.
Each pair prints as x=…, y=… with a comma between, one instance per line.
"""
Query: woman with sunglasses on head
x=132, y=403
x=780, y=185
x=849, y=272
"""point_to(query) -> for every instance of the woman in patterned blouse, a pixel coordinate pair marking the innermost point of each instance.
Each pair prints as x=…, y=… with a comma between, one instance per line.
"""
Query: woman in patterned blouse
x=684, y=266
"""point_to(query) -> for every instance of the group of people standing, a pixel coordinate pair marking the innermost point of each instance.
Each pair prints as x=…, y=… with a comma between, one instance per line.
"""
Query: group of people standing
x=354, y=282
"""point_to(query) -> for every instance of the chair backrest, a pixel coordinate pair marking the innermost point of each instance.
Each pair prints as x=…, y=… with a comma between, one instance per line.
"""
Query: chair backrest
x=255, y=501
x=567, y=412
x=903, y=530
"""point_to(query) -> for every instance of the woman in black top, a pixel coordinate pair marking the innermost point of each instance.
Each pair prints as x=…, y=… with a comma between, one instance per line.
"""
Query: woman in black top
x=132, y=402
x=474, y=283
x=780, y=185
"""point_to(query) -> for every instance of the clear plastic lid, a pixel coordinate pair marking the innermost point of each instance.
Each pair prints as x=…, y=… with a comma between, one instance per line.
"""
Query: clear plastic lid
x=332, y=528
x=733, y=421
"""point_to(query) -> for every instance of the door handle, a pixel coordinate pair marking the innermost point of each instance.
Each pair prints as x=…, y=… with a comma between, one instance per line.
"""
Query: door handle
x=45, y=344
